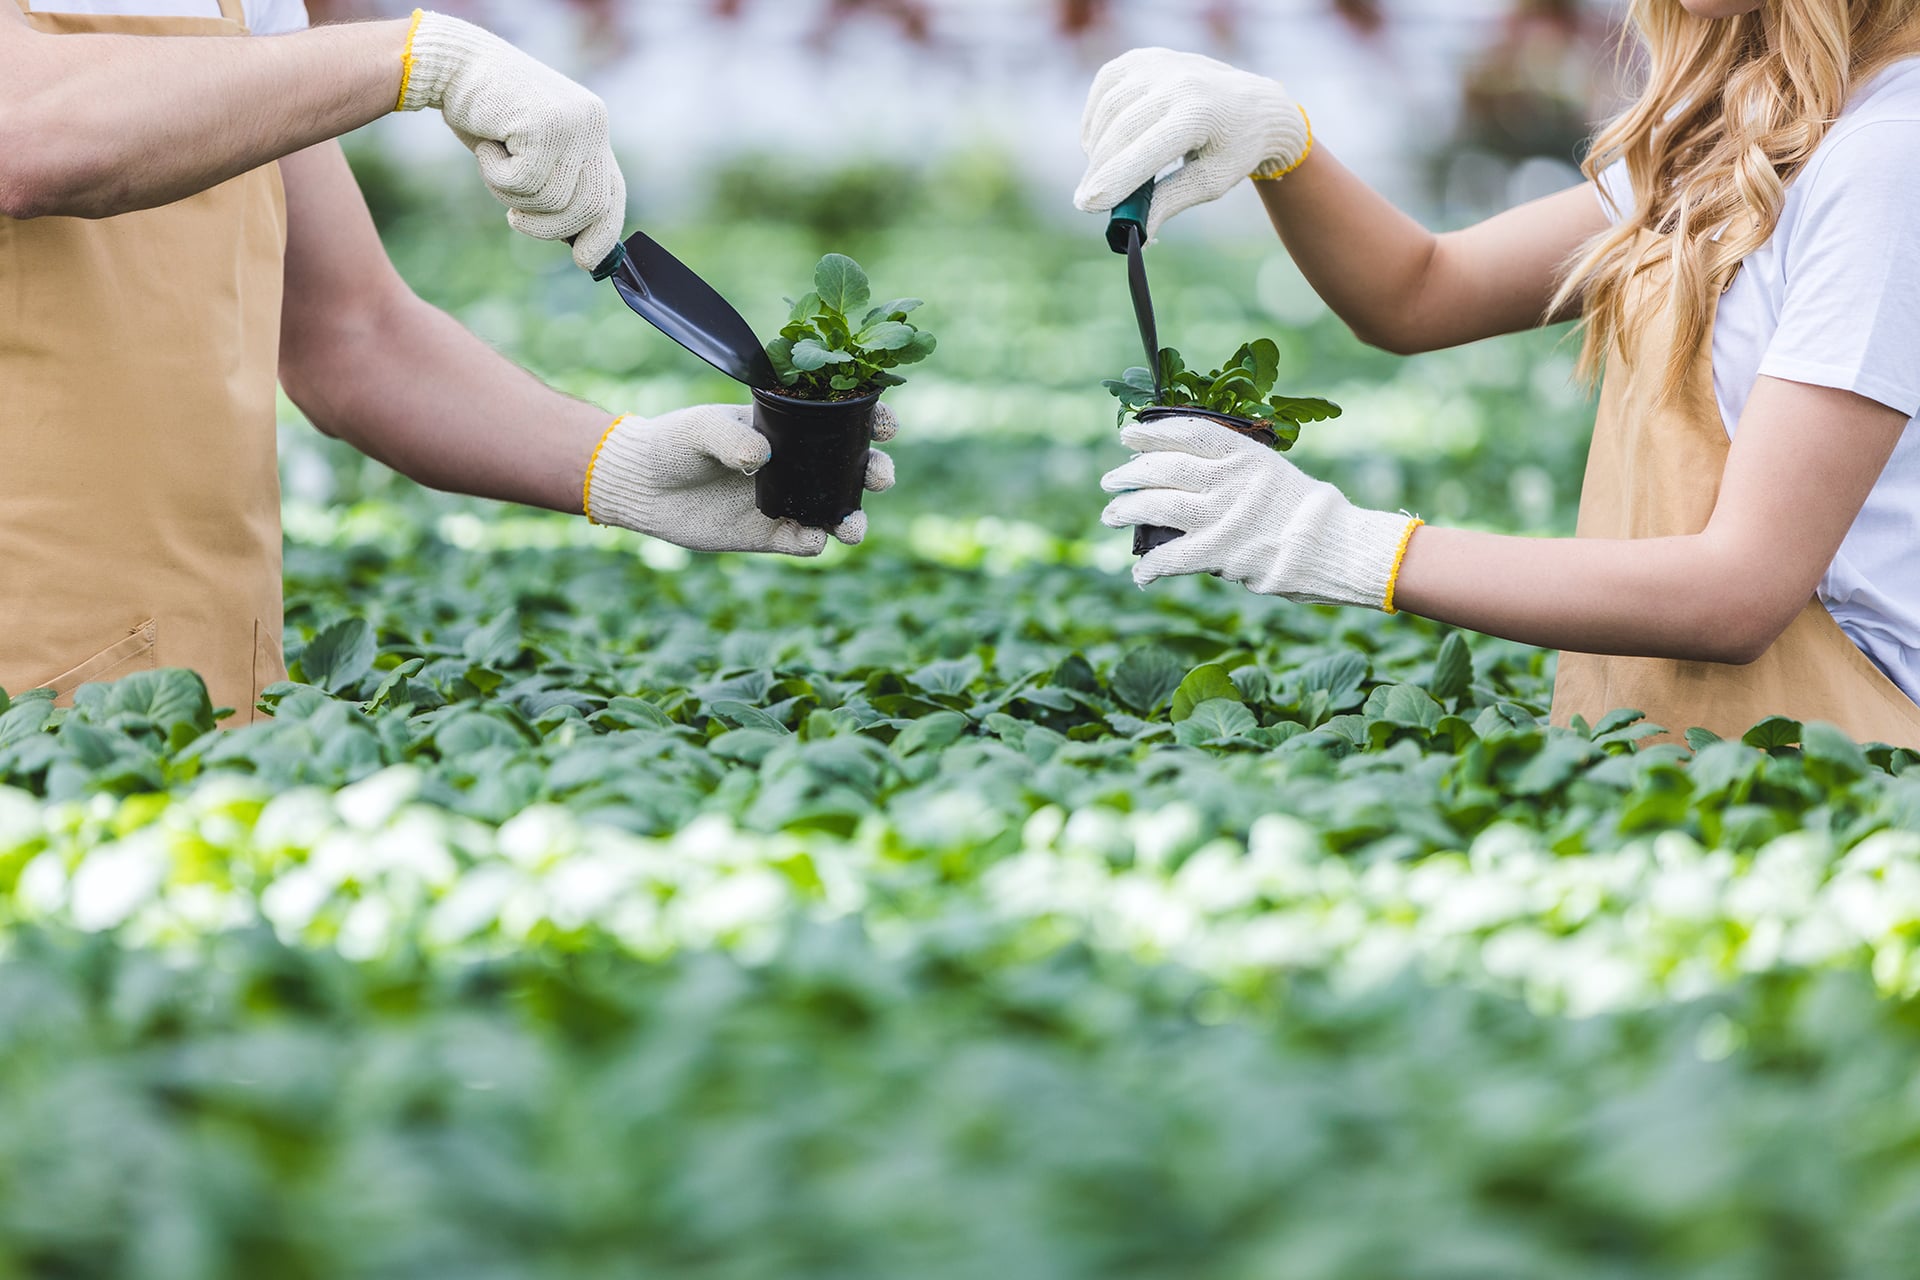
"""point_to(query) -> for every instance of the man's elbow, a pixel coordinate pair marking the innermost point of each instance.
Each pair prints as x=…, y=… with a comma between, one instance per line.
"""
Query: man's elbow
x=41, y=177
x=27, y=185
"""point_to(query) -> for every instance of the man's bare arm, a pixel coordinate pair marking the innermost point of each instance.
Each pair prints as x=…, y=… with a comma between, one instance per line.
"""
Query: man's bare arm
x=371, y=363
x=97, y=125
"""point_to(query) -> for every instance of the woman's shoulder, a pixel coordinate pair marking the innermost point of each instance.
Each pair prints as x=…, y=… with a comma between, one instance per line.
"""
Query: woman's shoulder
x=1877, y=136
x=1892, y=96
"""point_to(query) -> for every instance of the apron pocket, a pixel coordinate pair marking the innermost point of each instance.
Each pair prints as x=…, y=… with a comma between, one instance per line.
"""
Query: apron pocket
x=134, y=653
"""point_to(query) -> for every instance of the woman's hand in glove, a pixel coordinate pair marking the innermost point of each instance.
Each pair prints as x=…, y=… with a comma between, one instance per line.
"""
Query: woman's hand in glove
x=687, y=478
x=1252, y=517
x=542, y=141
x=1151, y=107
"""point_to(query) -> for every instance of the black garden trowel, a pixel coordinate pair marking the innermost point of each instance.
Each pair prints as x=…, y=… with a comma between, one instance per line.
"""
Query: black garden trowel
x=671, y=296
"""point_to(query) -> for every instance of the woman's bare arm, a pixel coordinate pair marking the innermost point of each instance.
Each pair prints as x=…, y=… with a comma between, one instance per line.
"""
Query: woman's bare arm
x=1803, y=462
x=1403, y=288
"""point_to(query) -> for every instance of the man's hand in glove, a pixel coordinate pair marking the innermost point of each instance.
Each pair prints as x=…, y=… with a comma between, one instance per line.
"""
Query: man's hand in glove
x=542, y=141
x=687, y=478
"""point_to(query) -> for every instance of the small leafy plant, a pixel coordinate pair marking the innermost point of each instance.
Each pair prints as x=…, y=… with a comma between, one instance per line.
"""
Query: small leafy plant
x=1243, y=388
x=835, y=346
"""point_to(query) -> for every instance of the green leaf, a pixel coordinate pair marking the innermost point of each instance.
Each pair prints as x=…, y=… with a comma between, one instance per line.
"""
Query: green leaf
x=743, y=716
x=1452, y=669
x=1266, y=364
x=1297, y=409
x=1774, y=731
x=806, y=309
x=1172, y=367
x=27, y=716
x=1403, y=705
x=166, y=699
x=1215, y=720
x=930, y=733
x=1339, y=674
x=898, y=309
x=889, y=335
x=1203, y=684
x=809, y=355
x=780, y=354
x=1145, y=678
x=1831, y=745
x=841, y=284
x=922, y=346
x=950, y=678
x=1700, y=739
x=338, y=657
x=495, y=645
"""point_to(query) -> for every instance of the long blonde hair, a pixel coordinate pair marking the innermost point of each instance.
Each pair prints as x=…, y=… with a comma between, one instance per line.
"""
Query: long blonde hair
x=1733, y=109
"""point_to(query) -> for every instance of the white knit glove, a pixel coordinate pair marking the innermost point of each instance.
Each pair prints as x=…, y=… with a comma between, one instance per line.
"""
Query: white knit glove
x=1152, y=107
x=542, y=140
x=687, y=478
x=1252, y=517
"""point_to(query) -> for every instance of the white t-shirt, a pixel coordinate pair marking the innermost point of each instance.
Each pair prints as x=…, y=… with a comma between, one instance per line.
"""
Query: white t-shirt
x=264, y=17
x=1833, y=300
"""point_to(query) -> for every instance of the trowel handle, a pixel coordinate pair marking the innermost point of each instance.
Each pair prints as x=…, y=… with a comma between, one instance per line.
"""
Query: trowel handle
x=1130, y=214
x=611, y=263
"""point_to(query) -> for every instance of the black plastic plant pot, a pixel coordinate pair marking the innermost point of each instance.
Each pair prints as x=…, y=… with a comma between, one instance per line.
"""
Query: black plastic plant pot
x=1148, y=536
x=819, y=469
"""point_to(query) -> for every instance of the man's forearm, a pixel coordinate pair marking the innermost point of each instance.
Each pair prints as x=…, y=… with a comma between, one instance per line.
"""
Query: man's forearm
x=97, y=125
x=409, y=386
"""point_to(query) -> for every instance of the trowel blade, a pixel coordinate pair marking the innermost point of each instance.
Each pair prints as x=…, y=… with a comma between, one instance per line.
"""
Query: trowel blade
x=672, y=297
x=1143, y=308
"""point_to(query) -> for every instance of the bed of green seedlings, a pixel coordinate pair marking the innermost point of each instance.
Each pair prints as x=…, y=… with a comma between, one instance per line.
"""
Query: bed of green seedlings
x=947, y=907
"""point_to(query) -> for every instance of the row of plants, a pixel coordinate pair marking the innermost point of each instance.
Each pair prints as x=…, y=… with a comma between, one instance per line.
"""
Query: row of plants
x=950, y=1108
x=374, y=872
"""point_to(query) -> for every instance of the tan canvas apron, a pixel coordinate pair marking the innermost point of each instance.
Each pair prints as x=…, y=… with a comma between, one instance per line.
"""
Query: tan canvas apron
x=1654, y=471
x=139, y=500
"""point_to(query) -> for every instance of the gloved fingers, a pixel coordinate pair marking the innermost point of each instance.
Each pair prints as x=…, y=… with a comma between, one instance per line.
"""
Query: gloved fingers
x=1203, y=181
x=853, y=530
x=1130, y=163
x=1118, y=86
x=1198, y=437
x=529, y=181
x=592, y=246
x=880, y=473
x=885, y=424
x=725, y=433
x=791, y=539
x=1175, y=559
x=607, y=219
x=592, y=223
x=1168, y=508
x=1129, y=66
x=1163, y=471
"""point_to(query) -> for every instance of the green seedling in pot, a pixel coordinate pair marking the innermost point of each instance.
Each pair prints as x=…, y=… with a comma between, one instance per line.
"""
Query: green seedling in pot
x=1242, y=388
x=834, y=357
x=836, y=345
